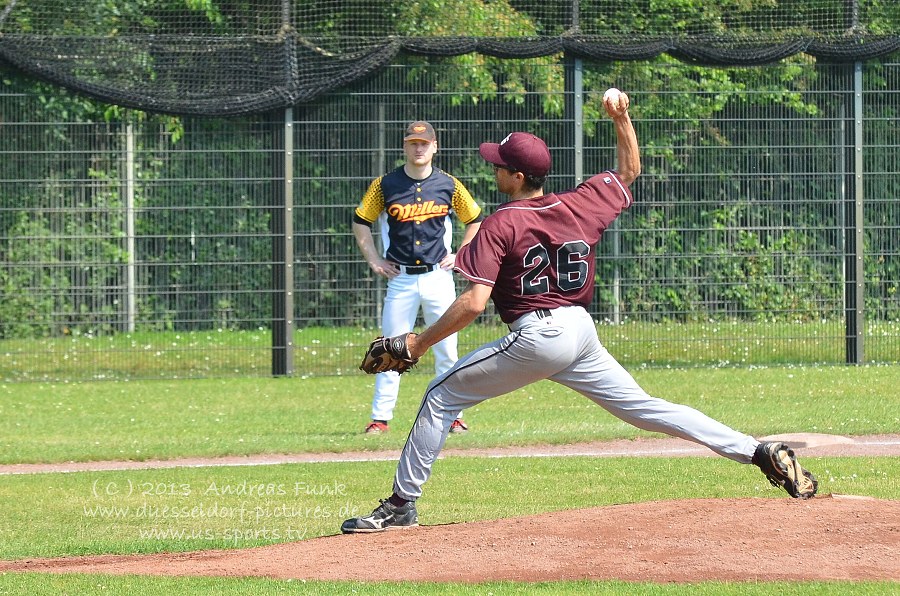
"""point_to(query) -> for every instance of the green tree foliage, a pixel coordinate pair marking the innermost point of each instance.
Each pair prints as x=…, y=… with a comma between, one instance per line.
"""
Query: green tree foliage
x=27, y=299
x=481, y=77
x=78, y=231
x=205, y=241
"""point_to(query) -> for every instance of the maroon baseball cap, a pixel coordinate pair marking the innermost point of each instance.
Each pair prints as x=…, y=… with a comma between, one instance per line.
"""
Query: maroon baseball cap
x=521, y=151
x=420, y=131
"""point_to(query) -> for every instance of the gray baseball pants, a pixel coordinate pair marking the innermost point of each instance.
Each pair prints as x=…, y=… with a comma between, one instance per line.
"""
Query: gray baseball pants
x=560, y=345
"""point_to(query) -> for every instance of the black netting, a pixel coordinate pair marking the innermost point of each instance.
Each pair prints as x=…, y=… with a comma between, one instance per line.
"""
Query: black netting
x=717, y=52
x=520, y=48
x=603, y=50
x=246, y=56
x=852, y=50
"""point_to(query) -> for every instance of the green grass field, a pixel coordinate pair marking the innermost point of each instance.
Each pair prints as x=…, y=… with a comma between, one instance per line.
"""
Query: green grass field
x=122, y=511
x=140, y=420
x=327, y=351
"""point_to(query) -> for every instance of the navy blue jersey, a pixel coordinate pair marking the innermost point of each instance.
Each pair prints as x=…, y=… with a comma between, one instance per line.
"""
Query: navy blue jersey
x=415, y=214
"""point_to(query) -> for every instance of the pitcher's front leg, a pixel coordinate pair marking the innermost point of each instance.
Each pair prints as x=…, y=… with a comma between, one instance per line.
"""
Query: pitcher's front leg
x=493, y=369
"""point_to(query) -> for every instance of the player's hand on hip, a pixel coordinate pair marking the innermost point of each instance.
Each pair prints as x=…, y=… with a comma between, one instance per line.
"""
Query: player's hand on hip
x=448, y=262
x=385, y=268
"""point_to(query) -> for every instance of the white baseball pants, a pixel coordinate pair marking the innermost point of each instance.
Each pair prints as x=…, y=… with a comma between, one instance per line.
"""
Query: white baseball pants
x=434, y=292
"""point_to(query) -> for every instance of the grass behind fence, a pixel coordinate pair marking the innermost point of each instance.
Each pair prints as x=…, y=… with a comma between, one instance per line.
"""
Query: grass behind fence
x=337, y=351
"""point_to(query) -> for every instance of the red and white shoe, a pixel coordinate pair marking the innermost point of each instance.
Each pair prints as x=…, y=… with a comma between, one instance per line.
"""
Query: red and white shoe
x=375, y=427
x=459, y=426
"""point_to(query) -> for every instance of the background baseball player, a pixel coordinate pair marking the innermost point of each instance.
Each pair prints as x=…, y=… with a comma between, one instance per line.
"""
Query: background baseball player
x=534, y=257
x=414, y=204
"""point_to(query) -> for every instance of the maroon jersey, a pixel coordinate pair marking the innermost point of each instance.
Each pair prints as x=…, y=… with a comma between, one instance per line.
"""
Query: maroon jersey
x=540, y=253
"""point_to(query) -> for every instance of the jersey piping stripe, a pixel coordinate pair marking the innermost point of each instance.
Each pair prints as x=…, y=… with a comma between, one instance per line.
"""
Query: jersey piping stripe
x=622, y=187
x=505, y=207
x=480, y=280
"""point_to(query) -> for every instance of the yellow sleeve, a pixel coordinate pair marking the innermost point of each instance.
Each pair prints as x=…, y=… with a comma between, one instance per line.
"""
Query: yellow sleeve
x=372, y=203
x=467, y=210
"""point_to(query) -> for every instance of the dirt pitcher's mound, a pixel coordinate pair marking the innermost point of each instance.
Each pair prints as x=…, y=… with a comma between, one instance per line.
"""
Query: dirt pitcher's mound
x=826, y=538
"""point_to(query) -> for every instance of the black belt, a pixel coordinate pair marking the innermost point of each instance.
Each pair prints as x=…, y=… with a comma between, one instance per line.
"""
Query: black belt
x=417, y=269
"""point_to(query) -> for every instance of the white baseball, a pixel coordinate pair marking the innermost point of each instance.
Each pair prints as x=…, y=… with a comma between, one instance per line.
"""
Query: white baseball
x=612, y=96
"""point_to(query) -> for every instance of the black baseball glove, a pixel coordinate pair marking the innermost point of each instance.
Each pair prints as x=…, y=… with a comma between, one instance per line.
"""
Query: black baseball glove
x=388, y=353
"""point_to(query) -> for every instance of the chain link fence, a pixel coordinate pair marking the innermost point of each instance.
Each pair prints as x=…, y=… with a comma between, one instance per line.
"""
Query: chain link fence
x=764, y=231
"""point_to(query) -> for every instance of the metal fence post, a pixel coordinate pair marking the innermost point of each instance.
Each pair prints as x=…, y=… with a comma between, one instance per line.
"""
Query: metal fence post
x=283, y=248
x=130, y=273
x=380, y=168
x=575, y=79
x=854, y=287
